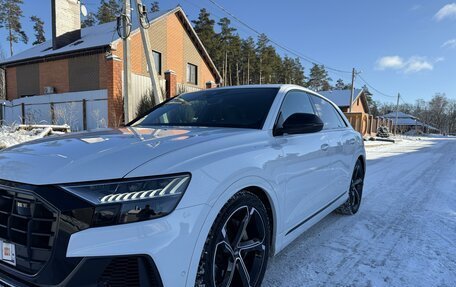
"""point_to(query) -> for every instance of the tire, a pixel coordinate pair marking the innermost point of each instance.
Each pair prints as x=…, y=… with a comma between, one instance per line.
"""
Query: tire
x=351, y=206
x=236, y=251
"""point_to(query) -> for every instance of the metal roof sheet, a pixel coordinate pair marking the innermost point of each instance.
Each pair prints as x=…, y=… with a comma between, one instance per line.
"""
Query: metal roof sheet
x=341, y=97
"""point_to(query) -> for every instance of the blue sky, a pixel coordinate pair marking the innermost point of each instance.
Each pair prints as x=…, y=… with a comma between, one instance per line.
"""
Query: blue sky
x=400, y=46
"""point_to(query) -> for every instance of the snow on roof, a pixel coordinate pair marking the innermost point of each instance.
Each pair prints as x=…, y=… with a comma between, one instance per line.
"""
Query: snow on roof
x=399, y=115
x=91, y=37
x=341, y=97
x=407, y=122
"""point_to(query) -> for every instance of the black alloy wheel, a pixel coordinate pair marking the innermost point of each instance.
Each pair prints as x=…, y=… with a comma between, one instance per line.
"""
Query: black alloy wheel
x=355, y=193
x=237, y=248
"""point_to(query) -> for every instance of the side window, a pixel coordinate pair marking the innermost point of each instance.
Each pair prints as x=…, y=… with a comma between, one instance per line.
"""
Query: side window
x=327, y=113
x=192, y=74
x=158, y=61
x=294, y=102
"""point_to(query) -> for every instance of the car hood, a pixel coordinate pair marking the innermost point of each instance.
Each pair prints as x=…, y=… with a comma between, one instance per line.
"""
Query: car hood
x=108, y=154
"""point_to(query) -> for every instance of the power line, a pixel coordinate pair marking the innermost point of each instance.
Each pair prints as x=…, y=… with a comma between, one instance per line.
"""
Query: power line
x=373, y=88
x=403, y=101
x=217, y=16
x=291, y=51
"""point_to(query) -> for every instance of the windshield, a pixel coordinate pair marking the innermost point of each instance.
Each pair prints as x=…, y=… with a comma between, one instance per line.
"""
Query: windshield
x=235, y=108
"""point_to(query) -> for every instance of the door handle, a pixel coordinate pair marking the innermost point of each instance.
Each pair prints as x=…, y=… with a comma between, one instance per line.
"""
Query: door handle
x=324, y=147
x=352, y=141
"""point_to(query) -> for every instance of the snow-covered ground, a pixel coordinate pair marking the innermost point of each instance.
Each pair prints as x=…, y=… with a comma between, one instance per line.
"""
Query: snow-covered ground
x=9, y=136
x=403, y=235
x=16, y=134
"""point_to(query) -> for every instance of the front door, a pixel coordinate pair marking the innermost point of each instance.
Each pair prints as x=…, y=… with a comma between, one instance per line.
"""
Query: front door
x=307, y=162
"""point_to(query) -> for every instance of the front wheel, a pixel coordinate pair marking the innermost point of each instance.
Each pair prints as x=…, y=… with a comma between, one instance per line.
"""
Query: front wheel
x=237, y=248
x=351, y=206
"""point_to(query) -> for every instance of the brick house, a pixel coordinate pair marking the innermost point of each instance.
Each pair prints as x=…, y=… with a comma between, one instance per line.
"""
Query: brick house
x=89, y=59
x=342, y=99
x=359, y=117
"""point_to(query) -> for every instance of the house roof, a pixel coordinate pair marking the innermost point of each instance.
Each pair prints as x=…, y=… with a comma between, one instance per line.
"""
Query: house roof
x=407, y=122
x=91, y=37
x=341, y=97
x=404, y=119
x=399, y=115
x=100, y=36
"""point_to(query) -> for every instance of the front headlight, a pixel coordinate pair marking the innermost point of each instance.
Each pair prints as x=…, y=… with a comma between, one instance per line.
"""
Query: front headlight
x=132, y=200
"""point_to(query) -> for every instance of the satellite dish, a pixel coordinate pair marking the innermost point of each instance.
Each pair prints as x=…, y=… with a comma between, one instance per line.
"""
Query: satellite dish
x=83, y=10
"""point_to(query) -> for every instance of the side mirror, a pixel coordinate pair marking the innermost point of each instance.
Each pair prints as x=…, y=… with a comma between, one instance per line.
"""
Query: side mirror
x=301, y=123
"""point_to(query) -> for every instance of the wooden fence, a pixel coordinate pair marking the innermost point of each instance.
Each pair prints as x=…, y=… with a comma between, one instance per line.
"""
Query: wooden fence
x=367, y=124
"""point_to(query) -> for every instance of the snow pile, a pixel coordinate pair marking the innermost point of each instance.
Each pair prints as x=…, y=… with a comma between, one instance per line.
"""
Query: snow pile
x=16, y=134
x=11, y=135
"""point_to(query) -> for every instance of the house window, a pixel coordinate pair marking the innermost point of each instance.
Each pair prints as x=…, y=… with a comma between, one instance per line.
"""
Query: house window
x=158, y=61
x=192, y=74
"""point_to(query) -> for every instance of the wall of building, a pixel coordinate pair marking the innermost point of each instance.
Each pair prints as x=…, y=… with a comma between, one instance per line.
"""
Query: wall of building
x=168, y=37
x=75, y=74
x=94, y=72
x=357, y=107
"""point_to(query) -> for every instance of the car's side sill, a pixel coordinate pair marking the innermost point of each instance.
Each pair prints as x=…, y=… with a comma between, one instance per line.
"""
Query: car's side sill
x=315, y=214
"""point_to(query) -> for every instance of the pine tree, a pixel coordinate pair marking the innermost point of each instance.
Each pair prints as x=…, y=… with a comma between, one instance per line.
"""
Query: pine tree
x=319, y=79
x=108, y=11
x=298, y=77
x=204, y=27
x=10, y=16
x=38, y=26
x=261, y=46
x=155, y=6
x=269, y=62
x=340, y=85
x=2, y=53
x=372, y=104
x=89, y=21
x=225, y=45
x=242, y=61
x=248, y=60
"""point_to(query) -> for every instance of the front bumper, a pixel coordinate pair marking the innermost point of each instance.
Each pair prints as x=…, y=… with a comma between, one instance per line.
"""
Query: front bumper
x=170, y=241
x=82, y=256
x=121, y=271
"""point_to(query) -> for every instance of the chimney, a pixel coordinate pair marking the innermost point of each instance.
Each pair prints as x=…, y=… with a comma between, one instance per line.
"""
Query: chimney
x=66, y=22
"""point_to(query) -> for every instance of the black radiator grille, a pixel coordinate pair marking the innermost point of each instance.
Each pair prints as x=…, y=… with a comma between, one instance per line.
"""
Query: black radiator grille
x=31, y=225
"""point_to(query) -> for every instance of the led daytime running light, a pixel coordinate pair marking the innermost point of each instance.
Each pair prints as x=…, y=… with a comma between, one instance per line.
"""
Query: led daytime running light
x=170, y=189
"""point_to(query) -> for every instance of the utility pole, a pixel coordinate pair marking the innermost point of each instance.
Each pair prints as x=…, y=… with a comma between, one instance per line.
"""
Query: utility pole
x=126, y=22
x=397, y=113
x=153, y=74
x=352, y=90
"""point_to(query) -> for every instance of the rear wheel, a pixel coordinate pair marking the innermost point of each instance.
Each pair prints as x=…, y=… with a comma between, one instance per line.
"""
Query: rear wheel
x=351, y=206
x=237, y=248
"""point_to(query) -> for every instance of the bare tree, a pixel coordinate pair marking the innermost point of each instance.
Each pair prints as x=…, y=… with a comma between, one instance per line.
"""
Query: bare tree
x=66, y=114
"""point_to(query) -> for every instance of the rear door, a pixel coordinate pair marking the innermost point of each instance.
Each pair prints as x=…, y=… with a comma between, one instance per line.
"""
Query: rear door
x=339, y=141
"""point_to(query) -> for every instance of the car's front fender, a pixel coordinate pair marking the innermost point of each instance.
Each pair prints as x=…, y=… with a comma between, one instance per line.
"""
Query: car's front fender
x=221, y=200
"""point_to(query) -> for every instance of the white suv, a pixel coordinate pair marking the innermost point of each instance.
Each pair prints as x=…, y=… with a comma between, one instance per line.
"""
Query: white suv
x=199, y=192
